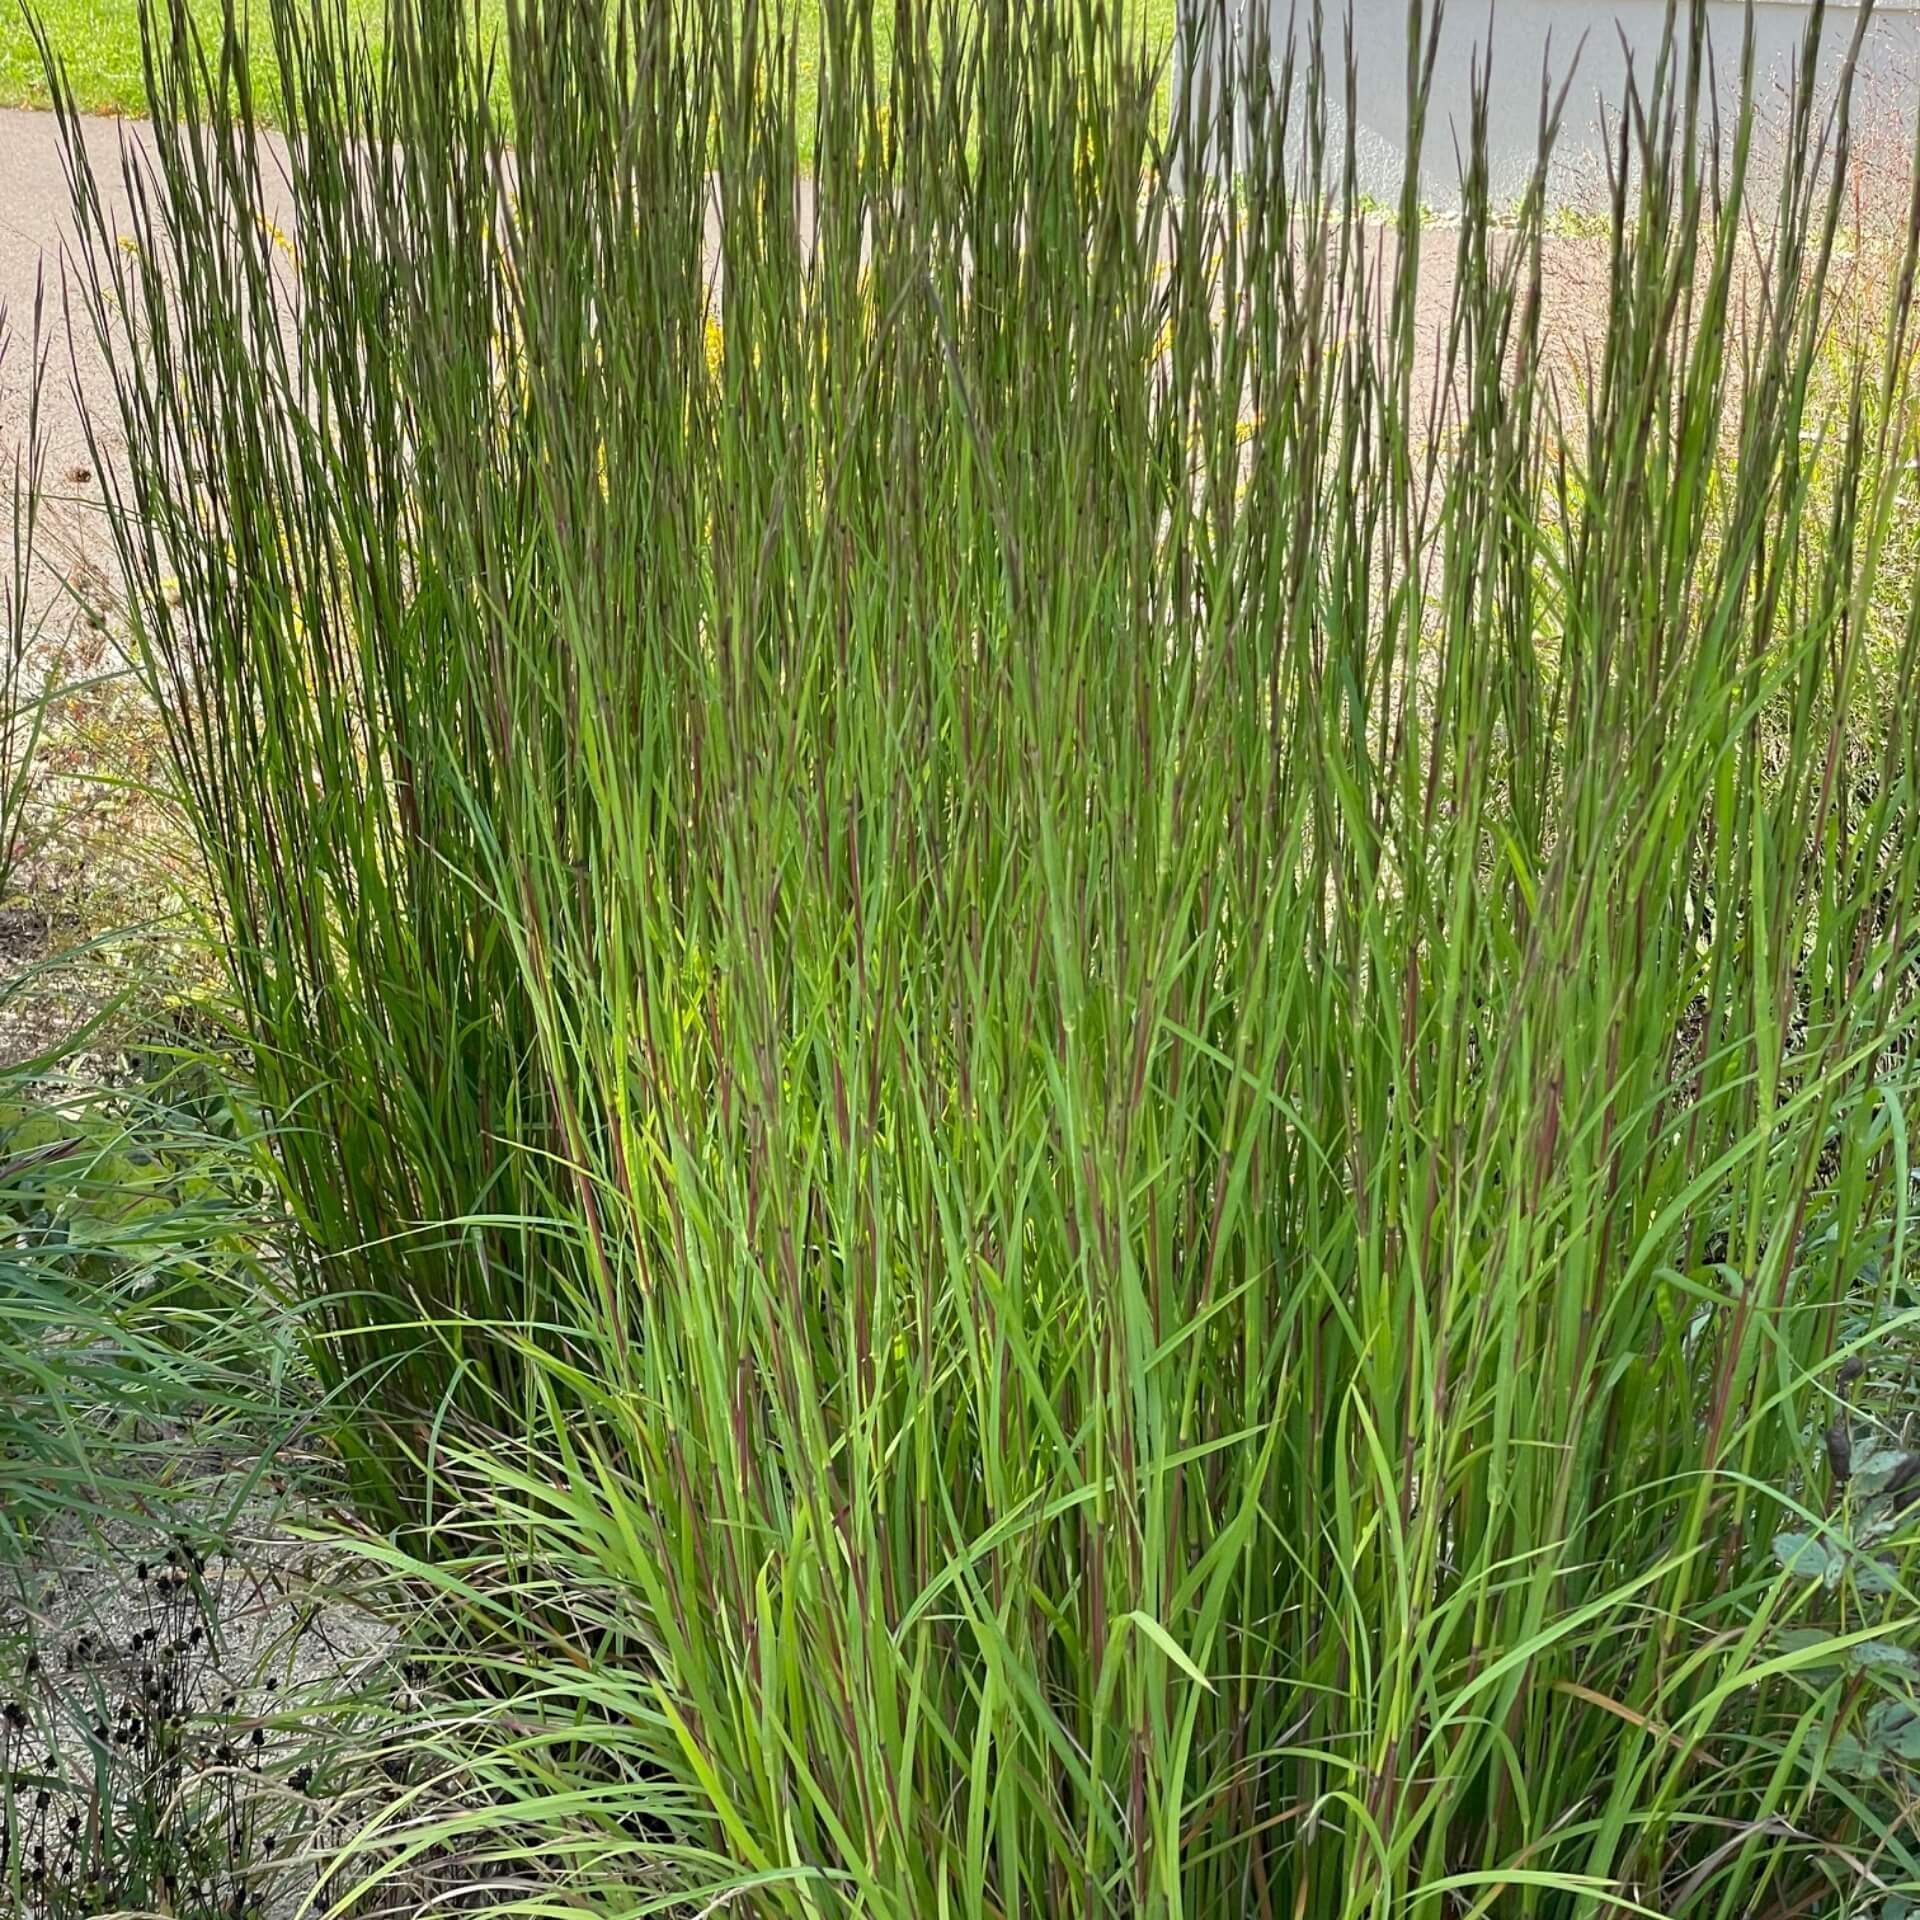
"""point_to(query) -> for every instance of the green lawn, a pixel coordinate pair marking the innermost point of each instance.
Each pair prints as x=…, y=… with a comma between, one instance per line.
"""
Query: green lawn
x=99, y=40
x=111, y=56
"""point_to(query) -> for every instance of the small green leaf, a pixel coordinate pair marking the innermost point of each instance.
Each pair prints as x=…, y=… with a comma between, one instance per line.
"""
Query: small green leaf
x=1851, y=1760
x=1803, y=1555
x=1869, y=1576
x=1894, y=1728
x=1803, y=1639
x=1881, y=1654
x=1811, y=1640
x=1874, y=1468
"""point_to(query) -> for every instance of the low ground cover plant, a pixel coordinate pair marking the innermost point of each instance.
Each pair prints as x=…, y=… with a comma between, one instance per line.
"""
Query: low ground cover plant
x=1095, y=1046
x=128, y=1783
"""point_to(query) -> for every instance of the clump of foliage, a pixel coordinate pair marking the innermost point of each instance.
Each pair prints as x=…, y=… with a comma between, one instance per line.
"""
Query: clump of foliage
x=1096, y=1041
x=127, y=1781
x=135, y=1306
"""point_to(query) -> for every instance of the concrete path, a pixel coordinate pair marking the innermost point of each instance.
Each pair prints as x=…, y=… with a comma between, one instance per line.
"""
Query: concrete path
x=38, y=257
x=43, y=264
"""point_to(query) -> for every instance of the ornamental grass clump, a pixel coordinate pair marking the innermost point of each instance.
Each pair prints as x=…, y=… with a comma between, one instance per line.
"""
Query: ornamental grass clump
x=1096, y=1041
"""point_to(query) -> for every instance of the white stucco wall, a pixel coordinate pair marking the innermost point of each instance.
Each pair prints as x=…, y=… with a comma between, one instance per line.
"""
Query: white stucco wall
x=1528, y=37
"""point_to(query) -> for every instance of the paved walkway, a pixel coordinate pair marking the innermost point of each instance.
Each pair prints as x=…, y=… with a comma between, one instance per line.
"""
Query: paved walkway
x=41, y=259
x=37, y=253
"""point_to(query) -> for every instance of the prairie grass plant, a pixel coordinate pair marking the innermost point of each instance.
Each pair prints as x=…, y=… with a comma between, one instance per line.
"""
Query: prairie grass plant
x=1096, y=1042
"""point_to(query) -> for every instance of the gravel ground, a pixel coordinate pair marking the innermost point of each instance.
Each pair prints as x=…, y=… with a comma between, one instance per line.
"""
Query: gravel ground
x=275, y=1644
